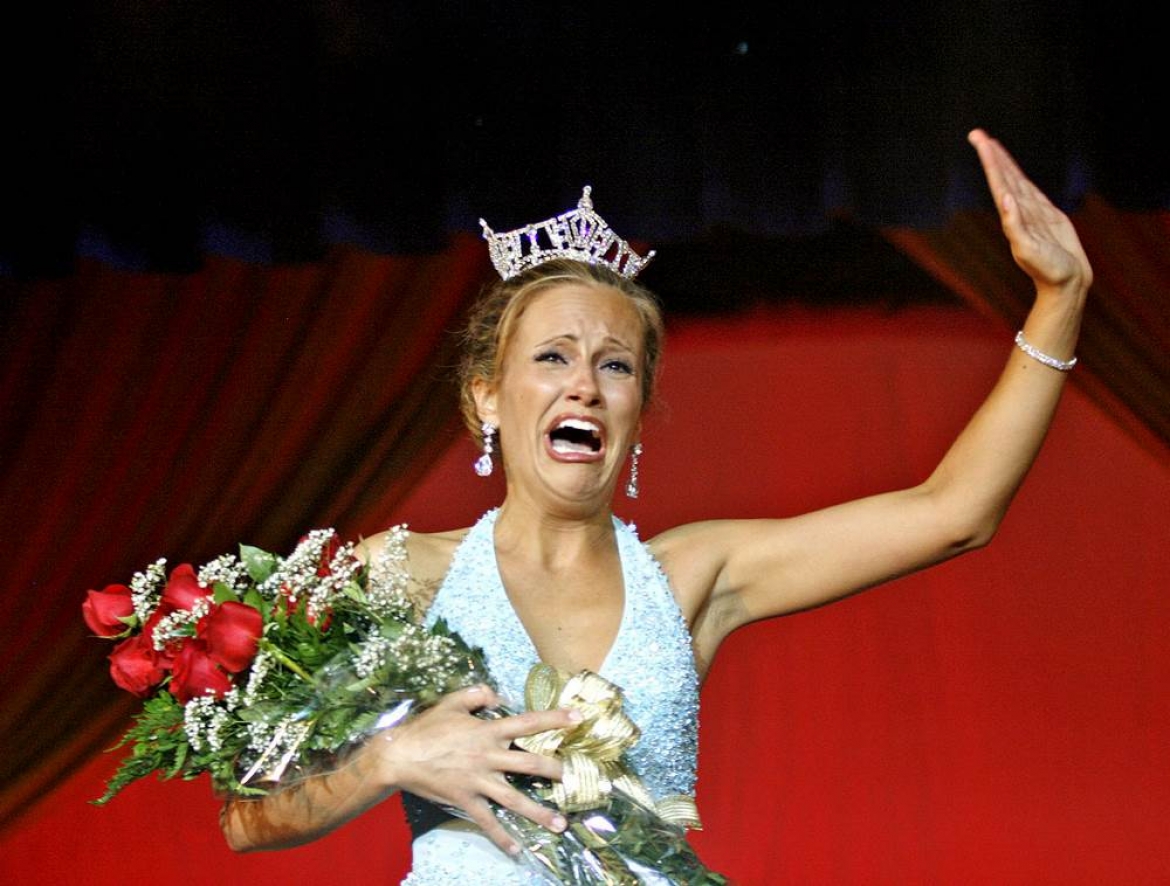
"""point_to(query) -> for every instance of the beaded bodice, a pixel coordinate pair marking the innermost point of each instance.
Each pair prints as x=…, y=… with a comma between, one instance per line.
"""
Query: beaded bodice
x=651, y=658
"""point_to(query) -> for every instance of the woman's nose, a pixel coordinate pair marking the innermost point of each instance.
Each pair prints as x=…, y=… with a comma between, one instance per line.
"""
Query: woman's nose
x=584, y=388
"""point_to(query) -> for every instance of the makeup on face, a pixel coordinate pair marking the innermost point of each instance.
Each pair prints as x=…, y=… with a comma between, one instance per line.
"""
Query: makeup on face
x=569, y=390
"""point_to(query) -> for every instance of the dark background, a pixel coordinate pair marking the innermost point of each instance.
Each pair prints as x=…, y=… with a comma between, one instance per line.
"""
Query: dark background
x=235, y=239
x=149, y=134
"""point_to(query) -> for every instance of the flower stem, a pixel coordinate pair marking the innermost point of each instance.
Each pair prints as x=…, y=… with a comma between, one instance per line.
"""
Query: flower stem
x=287, y=662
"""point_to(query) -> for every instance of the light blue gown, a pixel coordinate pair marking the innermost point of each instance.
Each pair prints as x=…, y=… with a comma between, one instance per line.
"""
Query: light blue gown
x=651, y=659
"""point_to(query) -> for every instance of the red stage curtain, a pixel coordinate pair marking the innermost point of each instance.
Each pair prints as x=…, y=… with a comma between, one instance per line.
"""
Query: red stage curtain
x=175, y=416
x=1125, y=343
x=997, y=719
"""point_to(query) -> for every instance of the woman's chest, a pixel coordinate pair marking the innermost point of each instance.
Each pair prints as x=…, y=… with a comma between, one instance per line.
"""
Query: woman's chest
x=572, y=622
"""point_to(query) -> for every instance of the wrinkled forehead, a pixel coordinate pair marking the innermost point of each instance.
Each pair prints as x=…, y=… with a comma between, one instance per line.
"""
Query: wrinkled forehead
x=578, y=311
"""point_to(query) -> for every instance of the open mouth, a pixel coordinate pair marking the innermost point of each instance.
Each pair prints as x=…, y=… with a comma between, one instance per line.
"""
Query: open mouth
x=573, y=436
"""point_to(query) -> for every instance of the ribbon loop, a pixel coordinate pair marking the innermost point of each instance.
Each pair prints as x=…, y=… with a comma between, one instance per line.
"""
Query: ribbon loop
x=592, y=752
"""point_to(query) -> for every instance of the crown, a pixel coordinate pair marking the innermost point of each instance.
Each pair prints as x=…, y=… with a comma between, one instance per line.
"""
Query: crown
x=579, y=234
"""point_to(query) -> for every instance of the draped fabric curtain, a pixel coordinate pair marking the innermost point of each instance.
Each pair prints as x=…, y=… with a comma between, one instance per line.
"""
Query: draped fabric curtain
x=219, y=321
x=152, y=415
x=1125, y=341
x=997, y=719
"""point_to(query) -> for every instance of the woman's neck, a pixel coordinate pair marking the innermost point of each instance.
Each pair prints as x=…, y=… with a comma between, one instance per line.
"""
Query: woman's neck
x=554, y=540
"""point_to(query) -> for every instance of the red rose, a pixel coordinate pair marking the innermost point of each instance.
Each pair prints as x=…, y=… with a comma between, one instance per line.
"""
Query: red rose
x=327, y=552
x=231, y=631
x=182, y=589
x=291, y=605
x=167, y=653
x=136, y=666
x=104, y=610
x=194, y=673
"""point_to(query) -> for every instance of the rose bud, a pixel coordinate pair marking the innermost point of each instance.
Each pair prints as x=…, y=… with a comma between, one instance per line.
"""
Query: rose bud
x=195, y=673
x=183, y=589
x=135, y=666
x=231, y=631
x=327, y=553
x=105, y=610
x=169, y=647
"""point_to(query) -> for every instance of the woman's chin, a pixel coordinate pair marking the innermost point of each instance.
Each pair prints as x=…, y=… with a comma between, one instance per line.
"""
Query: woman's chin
x=583, y=482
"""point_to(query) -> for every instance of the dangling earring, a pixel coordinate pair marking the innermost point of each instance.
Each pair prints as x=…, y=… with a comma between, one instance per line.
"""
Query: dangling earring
x=483, y=464
x=632, y=483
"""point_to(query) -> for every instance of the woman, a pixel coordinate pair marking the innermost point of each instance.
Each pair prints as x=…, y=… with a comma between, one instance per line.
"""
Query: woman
x=561, y=360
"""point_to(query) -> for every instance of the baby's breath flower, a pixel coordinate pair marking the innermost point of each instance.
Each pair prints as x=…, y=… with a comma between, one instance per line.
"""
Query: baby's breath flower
x=374, y=658
x=342, y=569
x=146, y=588
x=206, y=720
x=226, y=569
x=278, y=745
x=175, y=625
x=260, y=732
x=389, y=578
x=260, y=667
x=297, y=574
x=371, y=655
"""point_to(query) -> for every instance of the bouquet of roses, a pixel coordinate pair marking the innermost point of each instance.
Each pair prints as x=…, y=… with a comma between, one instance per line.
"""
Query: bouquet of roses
x=261, y=670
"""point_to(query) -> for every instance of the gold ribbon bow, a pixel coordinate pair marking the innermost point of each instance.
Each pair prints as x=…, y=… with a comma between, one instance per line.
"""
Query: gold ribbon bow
x=592, y=751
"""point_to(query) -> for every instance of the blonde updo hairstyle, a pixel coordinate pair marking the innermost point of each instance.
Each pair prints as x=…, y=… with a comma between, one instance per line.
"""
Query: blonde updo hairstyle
x=494, y=317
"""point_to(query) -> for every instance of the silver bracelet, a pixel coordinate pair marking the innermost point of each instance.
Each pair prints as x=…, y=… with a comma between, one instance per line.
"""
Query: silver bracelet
x=1047, y=359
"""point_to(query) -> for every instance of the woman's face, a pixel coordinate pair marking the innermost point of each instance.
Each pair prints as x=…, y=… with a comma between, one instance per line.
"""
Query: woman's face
x=568, y=400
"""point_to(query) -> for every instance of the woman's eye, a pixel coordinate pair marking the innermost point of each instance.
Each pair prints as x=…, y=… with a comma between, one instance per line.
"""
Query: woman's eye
x=620, y=366
x=550, y=357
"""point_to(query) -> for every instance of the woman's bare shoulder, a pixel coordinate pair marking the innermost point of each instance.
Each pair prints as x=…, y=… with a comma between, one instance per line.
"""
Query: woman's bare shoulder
x=686, y=541
x=428, y=553
x=686, y=556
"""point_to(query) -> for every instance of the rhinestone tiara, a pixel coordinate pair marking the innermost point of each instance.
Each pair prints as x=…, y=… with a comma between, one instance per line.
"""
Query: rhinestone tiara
x=579, y=234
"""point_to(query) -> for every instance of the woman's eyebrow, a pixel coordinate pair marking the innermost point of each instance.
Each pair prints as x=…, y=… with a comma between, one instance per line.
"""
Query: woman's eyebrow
x=566, y=336
x=575, y=339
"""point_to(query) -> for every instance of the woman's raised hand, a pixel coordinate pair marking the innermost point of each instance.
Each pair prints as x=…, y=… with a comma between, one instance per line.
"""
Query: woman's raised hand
x=450, y=756
x=1043, y=241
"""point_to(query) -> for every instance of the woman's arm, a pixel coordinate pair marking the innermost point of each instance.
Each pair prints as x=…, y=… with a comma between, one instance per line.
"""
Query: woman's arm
x=733, y=572
x=446, y=755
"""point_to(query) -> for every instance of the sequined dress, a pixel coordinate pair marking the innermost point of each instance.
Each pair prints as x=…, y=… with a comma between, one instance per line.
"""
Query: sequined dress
x=651, y=659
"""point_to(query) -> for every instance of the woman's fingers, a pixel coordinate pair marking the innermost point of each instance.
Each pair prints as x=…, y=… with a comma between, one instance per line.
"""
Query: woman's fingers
x=481, y=814
x=1043, y=240
x=1004, y=176
x=532, y=722
x=509, y=728
x=503, y=795
x=455, y=758
x=524, y=763
x=506, y=796
x=470, y=700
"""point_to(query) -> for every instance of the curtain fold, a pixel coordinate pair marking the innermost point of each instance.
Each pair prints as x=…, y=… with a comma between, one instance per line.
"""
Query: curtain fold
x=1124, y=349
x=997, y=719
x=158, y=415
x=175, y=416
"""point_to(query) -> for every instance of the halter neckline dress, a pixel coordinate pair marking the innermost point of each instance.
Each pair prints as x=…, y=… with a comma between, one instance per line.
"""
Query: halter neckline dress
x=651, y=659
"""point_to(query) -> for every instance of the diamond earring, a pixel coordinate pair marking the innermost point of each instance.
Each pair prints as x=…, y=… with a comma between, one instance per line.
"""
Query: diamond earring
x=483, y=464
x=632, y=483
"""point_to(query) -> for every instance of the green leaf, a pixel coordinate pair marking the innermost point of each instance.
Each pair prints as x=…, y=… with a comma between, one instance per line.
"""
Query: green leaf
x=256, y=600
x=259, y=563
x=181, y=749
